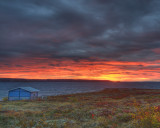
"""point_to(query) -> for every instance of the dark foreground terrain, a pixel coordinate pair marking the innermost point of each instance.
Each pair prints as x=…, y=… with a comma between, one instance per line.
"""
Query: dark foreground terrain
x=110, y=108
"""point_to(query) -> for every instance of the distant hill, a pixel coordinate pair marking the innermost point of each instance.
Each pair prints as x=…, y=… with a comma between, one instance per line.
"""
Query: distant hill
x=49, y=80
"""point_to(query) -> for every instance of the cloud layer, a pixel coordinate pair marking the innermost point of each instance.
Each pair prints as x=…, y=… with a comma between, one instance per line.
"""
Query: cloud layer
x=81, y=30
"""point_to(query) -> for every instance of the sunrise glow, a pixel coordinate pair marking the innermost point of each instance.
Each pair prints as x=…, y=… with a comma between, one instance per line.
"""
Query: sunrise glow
x=97, y=40
x=69, y=69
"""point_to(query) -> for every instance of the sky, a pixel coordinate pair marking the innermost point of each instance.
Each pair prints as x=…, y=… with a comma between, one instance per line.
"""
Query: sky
x=116, y=40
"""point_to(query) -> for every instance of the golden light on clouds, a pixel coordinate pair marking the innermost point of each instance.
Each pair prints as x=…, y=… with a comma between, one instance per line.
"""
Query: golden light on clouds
x=68, y=69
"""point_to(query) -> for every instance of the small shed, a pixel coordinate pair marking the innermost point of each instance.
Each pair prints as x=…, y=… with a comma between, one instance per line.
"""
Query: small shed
x=23, y=93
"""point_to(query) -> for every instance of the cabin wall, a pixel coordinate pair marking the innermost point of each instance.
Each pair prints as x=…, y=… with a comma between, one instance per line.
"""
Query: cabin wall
x=24, y=95
x=34, y=95
x=14, y=94
x=19, y=94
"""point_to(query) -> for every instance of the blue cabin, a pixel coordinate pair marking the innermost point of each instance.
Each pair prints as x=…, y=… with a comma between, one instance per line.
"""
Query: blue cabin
x=23, y=93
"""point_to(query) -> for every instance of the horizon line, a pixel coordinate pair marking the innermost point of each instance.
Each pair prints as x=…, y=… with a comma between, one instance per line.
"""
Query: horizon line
x=28, y=79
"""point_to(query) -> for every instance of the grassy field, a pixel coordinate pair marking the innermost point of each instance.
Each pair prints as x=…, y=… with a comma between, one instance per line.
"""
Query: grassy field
x=110, y=108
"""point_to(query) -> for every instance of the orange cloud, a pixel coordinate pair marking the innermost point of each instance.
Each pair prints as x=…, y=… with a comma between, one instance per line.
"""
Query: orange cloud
x=68, y=69
x=156, y=50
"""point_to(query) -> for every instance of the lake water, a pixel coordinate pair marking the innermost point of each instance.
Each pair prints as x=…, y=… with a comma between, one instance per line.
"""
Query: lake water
x=60, y=88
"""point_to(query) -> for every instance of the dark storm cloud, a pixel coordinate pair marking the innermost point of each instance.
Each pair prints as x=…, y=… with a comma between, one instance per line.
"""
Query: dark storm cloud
x=101, y=29
x=19, y=65
x=139, y=67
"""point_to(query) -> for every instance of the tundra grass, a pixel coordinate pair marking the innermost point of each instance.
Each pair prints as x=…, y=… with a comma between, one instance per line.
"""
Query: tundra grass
x=110, y=108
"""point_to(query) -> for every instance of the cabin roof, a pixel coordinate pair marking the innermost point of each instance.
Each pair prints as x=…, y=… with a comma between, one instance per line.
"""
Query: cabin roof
x=30, y=89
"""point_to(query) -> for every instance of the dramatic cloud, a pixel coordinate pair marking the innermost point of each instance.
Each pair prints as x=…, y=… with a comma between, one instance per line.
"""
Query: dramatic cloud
x=36, y=31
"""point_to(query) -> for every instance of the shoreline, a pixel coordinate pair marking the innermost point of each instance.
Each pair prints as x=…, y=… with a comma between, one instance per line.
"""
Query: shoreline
x=97, y=91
